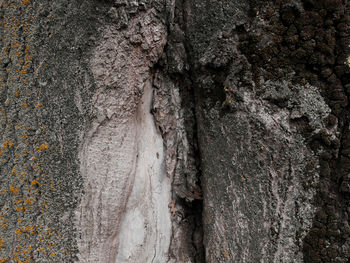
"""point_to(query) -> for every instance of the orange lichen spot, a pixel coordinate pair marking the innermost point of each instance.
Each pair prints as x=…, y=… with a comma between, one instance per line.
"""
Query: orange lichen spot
x=27, y=228
x=14, y=190
x=18, y=202
x=38, y=105
x=1, y=243
x=18, y=53
x=244, y=177
x=24, y=2
x=17, y=155
x=17, y=93
x=34, y=182
x=13, y=171
x=53, y=254
x=25, y=105
x=18, y=209
x=23, y=72
x=4, y=225
x=18, y=231
x=28, y=201
x=1, y=153
x=19, y=220
x=7, y=100
x=42, y=147
x=10, y=144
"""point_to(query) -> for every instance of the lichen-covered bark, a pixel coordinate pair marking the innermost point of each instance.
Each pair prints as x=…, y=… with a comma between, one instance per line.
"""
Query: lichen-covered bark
x=42, y=68
x=73, y=142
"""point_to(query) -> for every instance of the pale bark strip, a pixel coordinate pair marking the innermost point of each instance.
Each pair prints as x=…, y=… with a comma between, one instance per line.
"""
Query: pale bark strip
x=109, y=165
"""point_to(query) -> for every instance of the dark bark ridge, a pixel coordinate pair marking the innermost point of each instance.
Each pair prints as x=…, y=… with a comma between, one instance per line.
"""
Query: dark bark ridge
x=235, y=47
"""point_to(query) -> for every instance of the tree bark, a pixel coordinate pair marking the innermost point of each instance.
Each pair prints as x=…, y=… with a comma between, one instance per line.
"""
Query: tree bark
x=174, y=131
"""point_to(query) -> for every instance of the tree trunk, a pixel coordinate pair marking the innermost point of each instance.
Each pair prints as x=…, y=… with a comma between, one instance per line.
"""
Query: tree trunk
x=174, y=131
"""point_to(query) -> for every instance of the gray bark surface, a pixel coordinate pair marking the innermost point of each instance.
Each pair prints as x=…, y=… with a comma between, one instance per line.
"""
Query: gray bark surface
x=174, y=131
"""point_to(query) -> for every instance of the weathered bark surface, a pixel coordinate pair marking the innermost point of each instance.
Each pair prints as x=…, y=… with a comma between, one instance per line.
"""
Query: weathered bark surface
x=271, y=79
x=174, y=131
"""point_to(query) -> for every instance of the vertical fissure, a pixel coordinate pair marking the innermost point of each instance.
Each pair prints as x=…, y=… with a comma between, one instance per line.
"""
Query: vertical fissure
x=176, y=120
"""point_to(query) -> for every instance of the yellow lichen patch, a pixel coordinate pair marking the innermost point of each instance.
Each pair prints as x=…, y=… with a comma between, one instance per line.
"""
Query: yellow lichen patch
x=38, y=105
x=18, y=209
x=42, y=147
x=34, y=182
x=14, y=190
x=29, y=201
x=1, y=243
x=348, y=61
x=18, y=202
x=29, y=228
x=24, y=2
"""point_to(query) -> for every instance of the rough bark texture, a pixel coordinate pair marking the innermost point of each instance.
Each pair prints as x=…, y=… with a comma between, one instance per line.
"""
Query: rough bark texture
x=174, y=131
